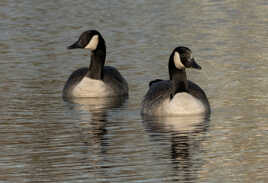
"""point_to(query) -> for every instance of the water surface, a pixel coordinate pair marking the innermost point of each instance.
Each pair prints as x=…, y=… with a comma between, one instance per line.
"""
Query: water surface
x=46, y=139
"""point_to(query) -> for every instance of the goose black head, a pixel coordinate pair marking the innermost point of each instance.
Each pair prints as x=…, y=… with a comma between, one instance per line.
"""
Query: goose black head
x=181, y=58
x=90, y=39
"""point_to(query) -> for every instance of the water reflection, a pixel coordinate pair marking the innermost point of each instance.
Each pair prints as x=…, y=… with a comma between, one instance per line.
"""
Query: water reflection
x=185, y=135
x=96, y=104
x=93, y=113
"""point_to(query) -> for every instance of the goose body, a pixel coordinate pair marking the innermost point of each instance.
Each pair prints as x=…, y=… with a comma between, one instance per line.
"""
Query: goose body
x=177, y=96
x=157, y=101
x=97, y=80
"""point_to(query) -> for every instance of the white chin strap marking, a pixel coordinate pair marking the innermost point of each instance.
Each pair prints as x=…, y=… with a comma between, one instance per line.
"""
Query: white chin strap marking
x=177, y=61
x=93, y=43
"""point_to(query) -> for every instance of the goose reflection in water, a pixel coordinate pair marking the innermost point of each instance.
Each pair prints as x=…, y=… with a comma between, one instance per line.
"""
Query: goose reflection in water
x=185, y=135
x=93, y=113
x=93, y=119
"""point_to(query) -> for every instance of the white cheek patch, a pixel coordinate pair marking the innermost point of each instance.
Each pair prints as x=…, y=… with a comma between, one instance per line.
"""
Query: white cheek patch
x=93, y=43
x=177, y=61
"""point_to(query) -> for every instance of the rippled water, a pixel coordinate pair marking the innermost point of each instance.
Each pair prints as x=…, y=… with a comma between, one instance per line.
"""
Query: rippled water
x=46, y=139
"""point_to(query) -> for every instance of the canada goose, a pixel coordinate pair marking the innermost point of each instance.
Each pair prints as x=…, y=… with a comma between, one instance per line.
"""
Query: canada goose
x=96, y=80
x=177, y=96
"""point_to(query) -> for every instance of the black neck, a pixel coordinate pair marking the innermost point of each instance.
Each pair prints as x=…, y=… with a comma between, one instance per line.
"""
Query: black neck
x=179, y=81
x=97, y=61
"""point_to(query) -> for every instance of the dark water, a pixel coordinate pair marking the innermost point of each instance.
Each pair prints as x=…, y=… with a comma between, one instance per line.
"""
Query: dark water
x=46, y=139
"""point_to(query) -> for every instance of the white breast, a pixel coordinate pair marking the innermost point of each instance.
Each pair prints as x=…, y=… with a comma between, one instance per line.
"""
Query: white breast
x=91, y=88
x=182, y=104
